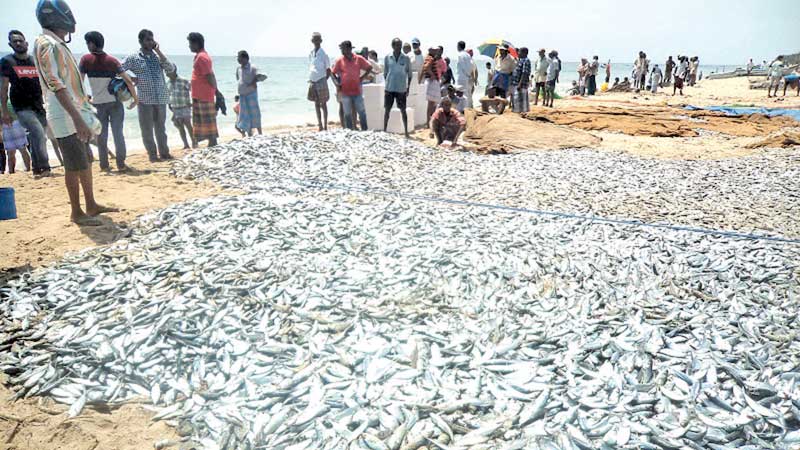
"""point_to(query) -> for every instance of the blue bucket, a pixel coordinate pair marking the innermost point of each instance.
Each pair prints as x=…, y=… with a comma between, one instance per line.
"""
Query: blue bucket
x=8, y=208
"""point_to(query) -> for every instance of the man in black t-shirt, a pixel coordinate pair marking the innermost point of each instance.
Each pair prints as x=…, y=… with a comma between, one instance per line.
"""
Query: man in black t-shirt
x=19, y=73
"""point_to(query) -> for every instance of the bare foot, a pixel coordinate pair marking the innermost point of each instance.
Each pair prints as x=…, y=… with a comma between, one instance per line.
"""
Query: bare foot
x=99, y=209
x=86, y=221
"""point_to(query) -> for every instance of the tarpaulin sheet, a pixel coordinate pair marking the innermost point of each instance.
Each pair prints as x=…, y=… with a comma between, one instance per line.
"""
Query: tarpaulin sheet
x=736, y=111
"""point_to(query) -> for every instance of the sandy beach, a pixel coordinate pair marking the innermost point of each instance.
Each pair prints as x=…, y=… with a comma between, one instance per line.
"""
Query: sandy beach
x=42, y=234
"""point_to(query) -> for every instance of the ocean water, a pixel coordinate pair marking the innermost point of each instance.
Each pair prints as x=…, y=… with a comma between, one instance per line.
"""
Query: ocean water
x=283, y=96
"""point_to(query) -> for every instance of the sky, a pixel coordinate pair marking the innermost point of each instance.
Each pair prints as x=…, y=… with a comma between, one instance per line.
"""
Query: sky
x=719, y=31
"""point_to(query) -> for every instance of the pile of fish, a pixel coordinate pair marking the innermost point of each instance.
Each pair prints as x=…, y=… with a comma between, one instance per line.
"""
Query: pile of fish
x=759, y=193
x=299, y=318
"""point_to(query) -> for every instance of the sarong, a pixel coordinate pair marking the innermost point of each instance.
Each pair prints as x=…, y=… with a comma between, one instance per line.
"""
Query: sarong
x=204, y=120
x=501, y=81
x=318, y=91
x=249, y=112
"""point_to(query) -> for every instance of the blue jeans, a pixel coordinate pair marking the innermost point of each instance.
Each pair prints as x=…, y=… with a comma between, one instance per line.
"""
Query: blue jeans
x=35, y=123
x=114, y=114
x=348, y=101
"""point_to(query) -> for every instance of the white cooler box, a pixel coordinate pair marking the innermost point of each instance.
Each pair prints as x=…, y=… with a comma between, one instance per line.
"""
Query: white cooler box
x=373, y=104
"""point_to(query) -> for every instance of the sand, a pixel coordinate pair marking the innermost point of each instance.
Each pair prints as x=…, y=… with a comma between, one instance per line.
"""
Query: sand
x=43, y=232
x=39, y=424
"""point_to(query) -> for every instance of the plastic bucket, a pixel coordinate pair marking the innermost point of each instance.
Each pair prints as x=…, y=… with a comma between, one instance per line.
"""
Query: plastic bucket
x=8, y=208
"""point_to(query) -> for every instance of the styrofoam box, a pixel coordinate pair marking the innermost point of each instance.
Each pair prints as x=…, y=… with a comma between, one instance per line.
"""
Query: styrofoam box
x=420, y=109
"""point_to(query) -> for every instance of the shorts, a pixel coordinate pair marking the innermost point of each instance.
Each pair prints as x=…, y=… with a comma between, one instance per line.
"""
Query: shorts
x=73, y=150
x=390, y=97
x=182, y=113
x=775, y=81
x=551, y=84
x=14, y=136
x=678, y=83
x=540, y=84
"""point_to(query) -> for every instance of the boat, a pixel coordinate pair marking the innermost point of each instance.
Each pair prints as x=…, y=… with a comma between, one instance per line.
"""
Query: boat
x=756, y=72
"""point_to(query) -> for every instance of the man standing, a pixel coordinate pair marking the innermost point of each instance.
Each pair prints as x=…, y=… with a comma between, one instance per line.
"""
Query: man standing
x=249, y=111
x=149, y=66
x=540, y=76
x=319, y=73
x=669, y=68
x=101, y=68
x=521, y=82
x=681, y=72
x=750, y=66
x=775, y=76
x=419, y=58
x=432, y=74
x=204, y=92
x=464, y=69
x=348, y=70
x=447, y=124
x=640, y=71
x=398, y=79
x=71, y=116
x=591, y=79
x=504, y=66
x=19, y=73
x=553, y=71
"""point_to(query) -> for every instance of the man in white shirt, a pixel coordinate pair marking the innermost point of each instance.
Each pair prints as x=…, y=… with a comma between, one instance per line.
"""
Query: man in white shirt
x=540, y=70
x=553, y=71
x=775, y=76
x=319, y=72
x=418, y=59
x=464, y=66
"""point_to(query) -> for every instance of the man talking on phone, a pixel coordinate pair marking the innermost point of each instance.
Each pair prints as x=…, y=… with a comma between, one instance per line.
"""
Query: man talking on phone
x=149, y=66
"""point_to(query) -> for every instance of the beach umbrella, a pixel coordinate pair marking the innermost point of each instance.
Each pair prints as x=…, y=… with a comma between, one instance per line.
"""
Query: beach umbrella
x=489, y=48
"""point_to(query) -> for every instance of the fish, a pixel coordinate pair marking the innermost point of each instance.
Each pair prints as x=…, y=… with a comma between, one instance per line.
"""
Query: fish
x=293, y=313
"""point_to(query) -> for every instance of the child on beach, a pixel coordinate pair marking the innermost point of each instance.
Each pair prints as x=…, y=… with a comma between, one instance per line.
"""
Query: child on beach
x=237, y=108
x=15, y=138
x=180, y=103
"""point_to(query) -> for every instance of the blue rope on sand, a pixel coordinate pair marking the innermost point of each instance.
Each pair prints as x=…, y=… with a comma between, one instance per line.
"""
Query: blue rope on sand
x=386, y=193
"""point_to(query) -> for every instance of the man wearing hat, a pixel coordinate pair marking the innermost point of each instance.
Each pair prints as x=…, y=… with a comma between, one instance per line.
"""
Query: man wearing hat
x=504, y=65
x=419, y=58
x=348, y=81
x=540, y=76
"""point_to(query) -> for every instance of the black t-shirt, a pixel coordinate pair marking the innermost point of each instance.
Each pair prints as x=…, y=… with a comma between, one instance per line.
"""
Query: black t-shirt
x=26, y=92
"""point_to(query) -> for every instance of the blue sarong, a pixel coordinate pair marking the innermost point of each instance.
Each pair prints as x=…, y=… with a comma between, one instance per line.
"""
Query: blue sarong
x=501, y=80
x=249, y=112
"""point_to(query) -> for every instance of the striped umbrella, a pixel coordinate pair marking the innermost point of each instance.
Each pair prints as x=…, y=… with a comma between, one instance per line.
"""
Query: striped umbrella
x=490, y=48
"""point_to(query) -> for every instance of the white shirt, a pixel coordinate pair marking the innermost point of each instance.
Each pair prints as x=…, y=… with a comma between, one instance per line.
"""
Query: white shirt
x=319, y=63
x=683, y=69
x=776, y=69
x=463, y=68
x=416, y=62
x=552, y=69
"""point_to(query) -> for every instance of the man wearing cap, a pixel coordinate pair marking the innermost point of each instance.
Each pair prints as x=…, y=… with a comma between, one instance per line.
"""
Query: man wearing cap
x=464, y=72
x=319, y=73
x=504, y=66
x=540, y=76
x=521, y=82
x=348, y=80
x=419, y=58
x=456, y=96
x=397, y=68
